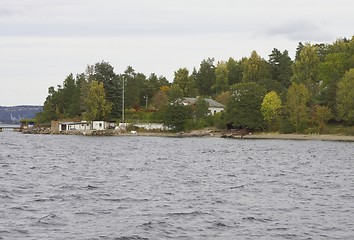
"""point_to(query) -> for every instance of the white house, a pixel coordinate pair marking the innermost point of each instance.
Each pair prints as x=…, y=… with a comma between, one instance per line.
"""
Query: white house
x=213, y=106
x=84, y=125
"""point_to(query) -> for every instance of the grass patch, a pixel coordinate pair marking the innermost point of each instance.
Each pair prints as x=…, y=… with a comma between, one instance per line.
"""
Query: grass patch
x=339, y=130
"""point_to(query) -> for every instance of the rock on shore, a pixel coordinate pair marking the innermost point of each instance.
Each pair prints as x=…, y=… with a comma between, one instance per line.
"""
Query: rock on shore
x=198, y=133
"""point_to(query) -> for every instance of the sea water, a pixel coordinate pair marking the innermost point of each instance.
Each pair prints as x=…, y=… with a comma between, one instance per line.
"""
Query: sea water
x=80, y=187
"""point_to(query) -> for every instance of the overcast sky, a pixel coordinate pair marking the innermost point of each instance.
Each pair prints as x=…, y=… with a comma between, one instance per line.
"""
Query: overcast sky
x=42, y=41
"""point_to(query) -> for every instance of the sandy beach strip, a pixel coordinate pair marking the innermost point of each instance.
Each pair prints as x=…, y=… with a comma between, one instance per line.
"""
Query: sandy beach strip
x=320, y=137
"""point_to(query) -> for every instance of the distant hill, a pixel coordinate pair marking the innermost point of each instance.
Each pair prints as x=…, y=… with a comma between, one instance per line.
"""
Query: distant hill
x=16, y=113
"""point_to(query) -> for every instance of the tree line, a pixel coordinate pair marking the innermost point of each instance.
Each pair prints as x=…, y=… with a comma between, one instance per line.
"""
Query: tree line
x=280, y=94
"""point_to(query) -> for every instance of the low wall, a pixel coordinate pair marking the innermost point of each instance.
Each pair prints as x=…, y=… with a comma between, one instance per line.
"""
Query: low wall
x=151, y=126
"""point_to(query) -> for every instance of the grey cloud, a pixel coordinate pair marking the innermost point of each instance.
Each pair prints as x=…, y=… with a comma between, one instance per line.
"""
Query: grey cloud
x=120, y=27
x=6, y=12
x=67, y=19
x=299, y=31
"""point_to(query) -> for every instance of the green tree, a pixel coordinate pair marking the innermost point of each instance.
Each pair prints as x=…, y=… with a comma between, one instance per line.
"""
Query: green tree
x=159, y=100
x=175, y=116
x=98, y=108
x=299, y=48
x=235, y=71
x=49, y=109
x=200, y=109
x=182, y=80
x=83, y=85
x=305, y=68
x=331, y=70
x=271, y=107
x=206, y=77
x=244, y=108
x=221, y=83
x=174, y=93
x=149, y=87
x=132, y=88
x=154, y=83
x=296, y=101
x=192, y=87
x=255, y=68
x=345, y=98
x=280, y=67
x=63, y=102
x=321, y=115
x=104, y=72
x=70, y=93
x=224, y=97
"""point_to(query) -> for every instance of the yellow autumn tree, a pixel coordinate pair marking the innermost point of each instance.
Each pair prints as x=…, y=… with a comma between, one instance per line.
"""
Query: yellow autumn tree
x=271, y=107
x=296, y=101
x=97, y=106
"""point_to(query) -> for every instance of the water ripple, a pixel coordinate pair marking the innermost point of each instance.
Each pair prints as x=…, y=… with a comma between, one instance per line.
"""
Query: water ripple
x=74, y=187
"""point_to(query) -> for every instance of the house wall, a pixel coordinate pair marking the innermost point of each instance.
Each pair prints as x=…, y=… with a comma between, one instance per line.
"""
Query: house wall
x=83, y=126
x=98, y=125
x=73, y=126
x=213, y=110
x=60, y=127
x=151, y=126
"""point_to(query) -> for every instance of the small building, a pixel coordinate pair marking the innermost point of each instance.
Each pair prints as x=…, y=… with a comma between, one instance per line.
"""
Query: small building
x=152, y=126
x=84, y=126
x=74, y=126
x=213, y=106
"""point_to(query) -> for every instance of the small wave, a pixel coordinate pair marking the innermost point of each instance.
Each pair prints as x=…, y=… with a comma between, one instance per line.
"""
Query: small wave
x=278, y=229
x=240, y=186
x=67, y=186
x=113, y=199
x=52, y=219
x=6, y=196
x=251, y=219
x=23, y=208
x=288, y=236
x=127, y=199
x=22, y=231
x=194, y=213
x=151, y=225
x=90, y=187
x=43, y=200
x=84, y=213
x=134, y=237
x=219, y=225
x=3, y=232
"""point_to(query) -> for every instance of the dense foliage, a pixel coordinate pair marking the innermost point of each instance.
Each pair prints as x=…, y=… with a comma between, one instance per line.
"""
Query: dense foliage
x=309, y=91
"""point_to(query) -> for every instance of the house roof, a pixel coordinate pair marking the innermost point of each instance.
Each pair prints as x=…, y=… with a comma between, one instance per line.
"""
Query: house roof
x=211, y=102
x=73, y=123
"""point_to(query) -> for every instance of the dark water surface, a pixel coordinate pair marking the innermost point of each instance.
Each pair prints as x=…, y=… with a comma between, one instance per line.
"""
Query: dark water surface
x=75, y=187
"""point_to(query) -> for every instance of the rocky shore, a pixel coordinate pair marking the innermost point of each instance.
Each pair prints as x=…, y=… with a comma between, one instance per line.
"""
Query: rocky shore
x=199, y=133
x=318, y=137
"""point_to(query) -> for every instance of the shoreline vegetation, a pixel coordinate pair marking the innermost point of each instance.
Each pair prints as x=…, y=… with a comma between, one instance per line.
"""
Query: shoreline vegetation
x=309, y=94
x=202, y=133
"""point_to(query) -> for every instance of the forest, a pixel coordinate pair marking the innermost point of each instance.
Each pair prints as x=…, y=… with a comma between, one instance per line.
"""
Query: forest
x=312, y=93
